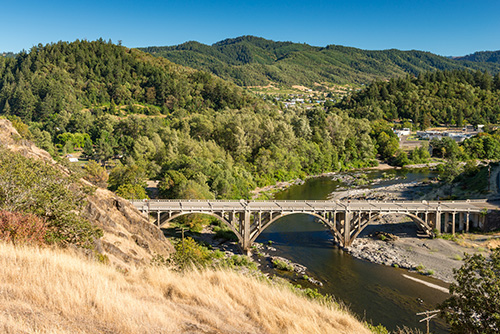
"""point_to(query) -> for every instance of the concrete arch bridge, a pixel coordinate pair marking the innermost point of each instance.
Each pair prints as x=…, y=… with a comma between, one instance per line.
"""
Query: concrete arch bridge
x=247, y=219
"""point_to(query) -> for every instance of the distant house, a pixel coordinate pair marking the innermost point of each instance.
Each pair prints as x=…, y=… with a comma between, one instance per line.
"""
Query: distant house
x=404, y=132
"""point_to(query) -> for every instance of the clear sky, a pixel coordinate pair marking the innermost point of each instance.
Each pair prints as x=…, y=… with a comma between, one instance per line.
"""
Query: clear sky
x=449, y=28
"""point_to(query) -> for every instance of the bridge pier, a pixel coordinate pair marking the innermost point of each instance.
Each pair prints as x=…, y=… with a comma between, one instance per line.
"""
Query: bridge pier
x=247, y=219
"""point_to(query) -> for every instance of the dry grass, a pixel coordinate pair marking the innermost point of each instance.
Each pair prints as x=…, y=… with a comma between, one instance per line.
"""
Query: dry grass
x=52, y=291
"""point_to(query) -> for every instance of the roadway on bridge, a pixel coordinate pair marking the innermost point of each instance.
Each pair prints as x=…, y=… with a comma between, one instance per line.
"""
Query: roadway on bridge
x=308, y=206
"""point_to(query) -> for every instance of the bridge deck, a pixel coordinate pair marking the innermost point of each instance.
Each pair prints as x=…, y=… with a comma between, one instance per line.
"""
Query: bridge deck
x=308, y=206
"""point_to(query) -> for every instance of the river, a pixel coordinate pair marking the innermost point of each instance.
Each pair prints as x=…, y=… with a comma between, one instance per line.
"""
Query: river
x=376, y=293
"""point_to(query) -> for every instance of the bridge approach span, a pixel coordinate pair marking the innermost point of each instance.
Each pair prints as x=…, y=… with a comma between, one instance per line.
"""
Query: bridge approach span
x=345, y=219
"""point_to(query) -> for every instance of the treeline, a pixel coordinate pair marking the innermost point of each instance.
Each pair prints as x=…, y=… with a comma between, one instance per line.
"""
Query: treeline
x=198, y=135
x=67, y=77
x=201, y=137
x=432, y=98
x=212, y=155
x=254, y=61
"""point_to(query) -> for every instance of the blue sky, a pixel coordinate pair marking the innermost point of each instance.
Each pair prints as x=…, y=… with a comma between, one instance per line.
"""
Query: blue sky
x=449, y=28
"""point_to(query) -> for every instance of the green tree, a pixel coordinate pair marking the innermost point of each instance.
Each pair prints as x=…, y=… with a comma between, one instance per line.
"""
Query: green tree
x=96, y=174
x=401, y=158
x=387, y=146
x=474, y=306
x=127, y=174
x=449, y=170
x=131, y=191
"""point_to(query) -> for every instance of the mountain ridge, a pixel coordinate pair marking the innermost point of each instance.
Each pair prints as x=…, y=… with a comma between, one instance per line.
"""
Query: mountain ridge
x=253, y=61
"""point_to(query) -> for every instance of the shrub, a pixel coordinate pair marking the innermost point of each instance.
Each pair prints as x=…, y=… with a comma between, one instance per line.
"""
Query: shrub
x=240, y=261
x=33, y=186
x=188, y=253
x=473, y=306
x=20, y=228
x=282, y=265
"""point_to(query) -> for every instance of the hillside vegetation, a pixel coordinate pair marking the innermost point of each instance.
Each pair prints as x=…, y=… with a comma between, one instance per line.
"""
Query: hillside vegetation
x=431, y=98
x=252, y=61
x=199, y=136
x=202, y=137
x=62, y=293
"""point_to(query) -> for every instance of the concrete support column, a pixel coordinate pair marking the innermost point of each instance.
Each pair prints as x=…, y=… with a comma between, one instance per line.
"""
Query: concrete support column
x=438, y=221
x=467, y=222
x=461, y=221
x=347, y=229
x=245, y=224
x=453, y=223
x=158, y=220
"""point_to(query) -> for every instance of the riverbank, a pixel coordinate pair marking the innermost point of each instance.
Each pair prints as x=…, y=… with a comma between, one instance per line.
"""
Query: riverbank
x=433, y=257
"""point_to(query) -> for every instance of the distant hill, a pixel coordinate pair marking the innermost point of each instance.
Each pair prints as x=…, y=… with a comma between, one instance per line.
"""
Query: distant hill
x=482, y=57
x=252, y=61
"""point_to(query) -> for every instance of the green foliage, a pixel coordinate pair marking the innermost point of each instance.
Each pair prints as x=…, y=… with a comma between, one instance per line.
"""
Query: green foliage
x=238, y=261
x=224, y=232
x=212, y=140
x=32, y=186
x=420, y=268
x=449, y=171
x=419, y=155
x=188, y=253
x=282, y=265
x=431, y=98
x=131, y=191
x=252, y=61
x=96, y=174
x=387, y=146
x=474, y=305
x=379, y=329
x=401, y=158
x=128, y=181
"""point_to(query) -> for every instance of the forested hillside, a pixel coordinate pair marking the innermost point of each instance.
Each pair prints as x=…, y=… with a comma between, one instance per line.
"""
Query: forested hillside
x=252, y=61
x=431, y=98
x=200, y=136
x=483, y=56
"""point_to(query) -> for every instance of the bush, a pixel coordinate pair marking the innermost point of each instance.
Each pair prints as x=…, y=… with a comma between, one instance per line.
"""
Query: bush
x=282, y=265
x=33, y=186
x=20, y=228
x=188, y=253
x=474, y=305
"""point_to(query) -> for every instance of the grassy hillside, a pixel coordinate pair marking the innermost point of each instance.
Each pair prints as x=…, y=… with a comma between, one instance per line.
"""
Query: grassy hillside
x=50, y=291
x=251, y=61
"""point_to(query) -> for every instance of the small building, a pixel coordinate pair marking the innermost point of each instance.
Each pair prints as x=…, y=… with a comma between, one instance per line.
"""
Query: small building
x=403, y=132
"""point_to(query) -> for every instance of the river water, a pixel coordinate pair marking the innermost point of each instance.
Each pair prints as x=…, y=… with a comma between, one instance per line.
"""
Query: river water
x=376, y=293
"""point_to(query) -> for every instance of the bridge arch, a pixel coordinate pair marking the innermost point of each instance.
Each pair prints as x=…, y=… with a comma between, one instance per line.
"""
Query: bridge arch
x=335, y=232
x=220, y=218
x=417, y=220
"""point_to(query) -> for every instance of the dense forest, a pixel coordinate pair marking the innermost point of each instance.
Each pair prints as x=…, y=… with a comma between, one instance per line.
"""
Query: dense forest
x=145, y=118
x=200, y=136
x=483, y=56
x=253, y=61
x=431, y=98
